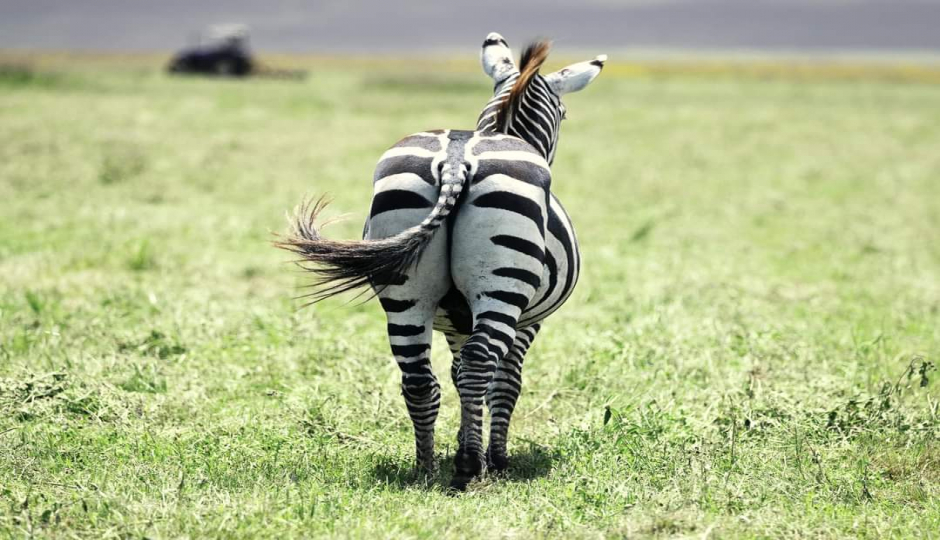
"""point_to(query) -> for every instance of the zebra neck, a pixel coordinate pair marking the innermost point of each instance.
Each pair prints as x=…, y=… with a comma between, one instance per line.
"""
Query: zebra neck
x=535, y=119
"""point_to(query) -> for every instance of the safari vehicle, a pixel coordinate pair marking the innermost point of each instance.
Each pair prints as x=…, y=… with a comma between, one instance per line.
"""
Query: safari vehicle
x=219, y=50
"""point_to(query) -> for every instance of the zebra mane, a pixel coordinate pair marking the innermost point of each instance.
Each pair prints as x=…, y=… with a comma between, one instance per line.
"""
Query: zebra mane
x=532, y=59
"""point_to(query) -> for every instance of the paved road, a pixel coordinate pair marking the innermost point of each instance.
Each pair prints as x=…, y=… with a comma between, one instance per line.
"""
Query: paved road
x=418, y=25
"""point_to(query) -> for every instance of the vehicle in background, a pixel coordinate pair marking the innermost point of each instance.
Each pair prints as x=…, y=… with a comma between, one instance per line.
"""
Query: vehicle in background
x=220, y=50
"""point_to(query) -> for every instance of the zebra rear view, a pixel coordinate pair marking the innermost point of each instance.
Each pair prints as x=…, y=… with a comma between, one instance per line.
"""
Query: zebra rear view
x=465, y=237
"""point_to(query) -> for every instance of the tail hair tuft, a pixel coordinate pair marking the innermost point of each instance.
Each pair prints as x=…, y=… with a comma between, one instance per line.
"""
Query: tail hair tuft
x=342, y=265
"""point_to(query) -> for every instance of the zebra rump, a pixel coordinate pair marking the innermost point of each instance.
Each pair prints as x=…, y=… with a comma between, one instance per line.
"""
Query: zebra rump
x=345, y=265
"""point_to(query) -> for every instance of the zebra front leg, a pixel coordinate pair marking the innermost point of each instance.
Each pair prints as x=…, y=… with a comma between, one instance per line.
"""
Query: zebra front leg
x=409, y=333
x=491, y=338
x=455, y=342
x=502, y=395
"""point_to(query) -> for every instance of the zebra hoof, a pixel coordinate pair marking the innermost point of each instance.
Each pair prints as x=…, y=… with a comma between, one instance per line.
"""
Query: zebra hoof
x=497, y=461
x=460, y=482
x=466, y=468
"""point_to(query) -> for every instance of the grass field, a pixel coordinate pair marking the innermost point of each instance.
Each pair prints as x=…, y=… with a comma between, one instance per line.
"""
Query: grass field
x=750, y=351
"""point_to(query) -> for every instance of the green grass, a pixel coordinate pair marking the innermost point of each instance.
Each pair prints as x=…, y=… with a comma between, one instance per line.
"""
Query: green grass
x=749, y=353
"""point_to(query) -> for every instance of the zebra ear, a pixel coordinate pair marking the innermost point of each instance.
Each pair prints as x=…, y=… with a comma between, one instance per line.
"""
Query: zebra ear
x=576, y=76
x=497, y=58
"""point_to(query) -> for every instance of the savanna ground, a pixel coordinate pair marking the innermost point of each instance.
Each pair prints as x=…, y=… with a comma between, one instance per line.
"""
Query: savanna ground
x=749, y=353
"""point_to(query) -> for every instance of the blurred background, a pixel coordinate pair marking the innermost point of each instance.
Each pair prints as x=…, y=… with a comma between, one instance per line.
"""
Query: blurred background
x=415, y=26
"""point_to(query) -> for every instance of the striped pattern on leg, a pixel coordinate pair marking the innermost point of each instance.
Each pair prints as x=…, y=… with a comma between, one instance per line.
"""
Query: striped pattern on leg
x=492, y=336
x=409, y=333
x=455, y=342
x=502, y=396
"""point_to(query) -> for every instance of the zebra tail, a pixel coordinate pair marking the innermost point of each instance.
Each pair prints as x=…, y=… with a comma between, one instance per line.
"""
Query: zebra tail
x=344, y=265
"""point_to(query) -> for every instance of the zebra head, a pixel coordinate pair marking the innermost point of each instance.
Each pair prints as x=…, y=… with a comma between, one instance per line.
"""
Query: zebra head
x=525, y=103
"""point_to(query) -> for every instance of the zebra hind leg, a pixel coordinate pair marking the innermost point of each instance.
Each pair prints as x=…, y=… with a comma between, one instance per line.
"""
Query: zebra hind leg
x=409, y=333
x=410, y=301
x=492, y=337
x=502, y=395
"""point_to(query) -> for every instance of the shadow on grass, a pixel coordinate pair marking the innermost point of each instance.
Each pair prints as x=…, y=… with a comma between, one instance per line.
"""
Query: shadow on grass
x=530, y=463
x=525, y=464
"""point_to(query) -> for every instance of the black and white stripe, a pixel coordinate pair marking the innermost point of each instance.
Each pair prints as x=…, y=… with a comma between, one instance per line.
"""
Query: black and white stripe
x=537, y=121
x=464, y=237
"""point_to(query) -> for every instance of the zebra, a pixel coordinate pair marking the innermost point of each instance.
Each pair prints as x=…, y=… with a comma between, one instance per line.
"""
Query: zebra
x=465, y=237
